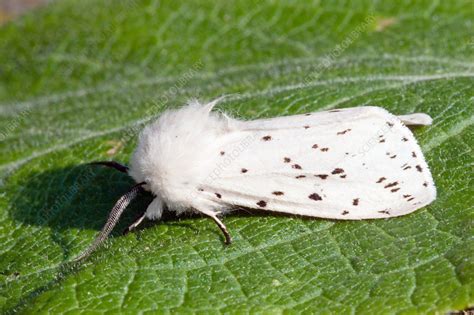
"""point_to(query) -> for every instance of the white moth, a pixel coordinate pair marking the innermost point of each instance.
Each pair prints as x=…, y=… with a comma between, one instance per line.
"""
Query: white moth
x=346, y=164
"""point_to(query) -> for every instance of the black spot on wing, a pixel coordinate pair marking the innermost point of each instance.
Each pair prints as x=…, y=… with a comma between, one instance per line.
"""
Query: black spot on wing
x=315, y=146
x=266, y=138
x=315, y=197
x=324, y=149
x=337, y=171
x=222, y=153
x=391, y=185
x=404, y=139
x=381, y=179
x=322, y=176
x=395, y=189
x=296, y=166
x=218, y=195
x=300, y=176
x=343, y=132
x=244, y=170
x=419, y=169
x=413, y=154
x=286, y=160
x=389, y=124
x=355, y=202
x=345, y=212
x=306, y=127
x=384, y=212
x=425, y=184
x=278, y=193
x=262, y=204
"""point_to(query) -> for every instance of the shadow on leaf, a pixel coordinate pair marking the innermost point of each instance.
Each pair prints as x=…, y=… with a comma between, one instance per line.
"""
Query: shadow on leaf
x=74, y=197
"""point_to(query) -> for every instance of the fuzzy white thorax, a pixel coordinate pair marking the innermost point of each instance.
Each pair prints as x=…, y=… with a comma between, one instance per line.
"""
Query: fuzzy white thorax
x=176, y=153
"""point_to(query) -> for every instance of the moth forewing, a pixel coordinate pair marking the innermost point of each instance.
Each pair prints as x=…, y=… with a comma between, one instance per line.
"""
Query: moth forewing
x=356, y=163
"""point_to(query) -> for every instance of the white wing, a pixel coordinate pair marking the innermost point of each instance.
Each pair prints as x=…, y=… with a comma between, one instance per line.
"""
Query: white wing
x=354, y=163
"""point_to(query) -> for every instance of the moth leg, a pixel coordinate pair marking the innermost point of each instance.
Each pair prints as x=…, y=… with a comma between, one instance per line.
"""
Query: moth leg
x=213, y=216
x=416, y=119
x=135, y=224
x=228, y=238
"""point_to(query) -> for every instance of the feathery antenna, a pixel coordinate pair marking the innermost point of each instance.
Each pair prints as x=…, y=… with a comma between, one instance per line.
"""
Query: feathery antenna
x=114, y=216
x=119, y=167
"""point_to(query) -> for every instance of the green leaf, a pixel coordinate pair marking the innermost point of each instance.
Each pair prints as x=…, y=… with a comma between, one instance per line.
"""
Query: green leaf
x=78, y=79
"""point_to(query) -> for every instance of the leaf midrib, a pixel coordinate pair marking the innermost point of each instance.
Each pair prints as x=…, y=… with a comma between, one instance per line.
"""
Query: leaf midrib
x=154, y=80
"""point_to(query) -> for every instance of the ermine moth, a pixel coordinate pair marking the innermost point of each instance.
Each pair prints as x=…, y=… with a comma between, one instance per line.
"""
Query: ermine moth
x=345, y=164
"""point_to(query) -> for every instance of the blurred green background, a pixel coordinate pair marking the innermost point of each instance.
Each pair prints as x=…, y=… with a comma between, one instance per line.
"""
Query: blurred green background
x=79, y=79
